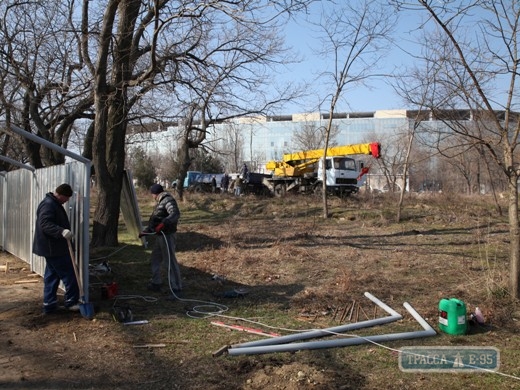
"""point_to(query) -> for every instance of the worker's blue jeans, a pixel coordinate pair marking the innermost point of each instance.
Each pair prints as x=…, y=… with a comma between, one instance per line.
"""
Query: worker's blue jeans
x=59, y=268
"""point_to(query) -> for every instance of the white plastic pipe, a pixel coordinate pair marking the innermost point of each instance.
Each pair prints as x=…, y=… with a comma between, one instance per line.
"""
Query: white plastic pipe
x=382, y=305
x=428, y=331
x=394, y=316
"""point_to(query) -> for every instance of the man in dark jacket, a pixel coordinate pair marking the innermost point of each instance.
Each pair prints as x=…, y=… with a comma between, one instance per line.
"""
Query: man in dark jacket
x=224, y=183
x=50, y=241
x=163, y=225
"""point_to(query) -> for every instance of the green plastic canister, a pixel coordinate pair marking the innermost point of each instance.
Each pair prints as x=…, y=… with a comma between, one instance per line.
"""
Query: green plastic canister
x=452, y=316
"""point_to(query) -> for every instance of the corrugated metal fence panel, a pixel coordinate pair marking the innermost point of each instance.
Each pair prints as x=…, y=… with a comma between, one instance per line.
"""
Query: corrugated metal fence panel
x=129, y=206
x=21, y=191
x=18, y=222
x=46, y=180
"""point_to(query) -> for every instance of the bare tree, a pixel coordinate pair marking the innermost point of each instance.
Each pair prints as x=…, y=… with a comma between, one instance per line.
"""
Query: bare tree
x=354, y=39
x=231, y=78
x=43, y=89
x=463, y=161
x=394, y=152
x=474, y=52
x=229, y=144
x=116, y=62
x=414, y=88
x=311, y=136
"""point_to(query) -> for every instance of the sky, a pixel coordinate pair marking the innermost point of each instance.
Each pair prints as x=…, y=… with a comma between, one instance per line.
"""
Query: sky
x=379, y=96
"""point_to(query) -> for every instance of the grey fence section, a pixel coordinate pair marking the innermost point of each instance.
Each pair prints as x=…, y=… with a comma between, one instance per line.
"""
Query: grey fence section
x=130, y=207
x=46, y=180
x=22, y=190
x=17, y=210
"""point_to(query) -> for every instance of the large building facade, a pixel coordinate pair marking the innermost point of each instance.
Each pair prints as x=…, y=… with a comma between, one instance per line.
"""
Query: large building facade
x=257, y=140
x=260, y=139
x=268, y=138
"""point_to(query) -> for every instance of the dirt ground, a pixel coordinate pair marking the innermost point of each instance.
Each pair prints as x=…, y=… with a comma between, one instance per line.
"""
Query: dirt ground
x=297, y=271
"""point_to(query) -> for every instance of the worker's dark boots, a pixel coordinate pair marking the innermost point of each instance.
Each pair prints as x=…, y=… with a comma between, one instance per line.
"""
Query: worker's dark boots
x=154, y=287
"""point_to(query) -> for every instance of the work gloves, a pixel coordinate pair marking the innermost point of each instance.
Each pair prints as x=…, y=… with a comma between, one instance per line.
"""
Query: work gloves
x=158, y=229
x=67, y=234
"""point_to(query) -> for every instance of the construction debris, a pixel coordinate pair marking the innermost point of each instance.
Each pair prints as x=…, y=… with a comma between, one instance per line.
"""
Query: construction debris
x=284, y=343
x=26, y=281
x=245, y=329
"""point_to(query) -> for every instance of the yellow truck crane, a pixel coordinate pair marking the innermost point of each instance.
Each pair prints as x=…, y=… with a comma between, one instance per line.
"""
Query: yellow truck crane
x=302, y=171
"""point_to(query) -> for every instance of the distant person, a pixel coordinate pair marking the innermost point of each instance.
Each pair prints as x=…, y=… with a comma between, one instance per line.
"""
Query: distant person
x=224, y=183
x=244, y=173
x=238, y=185
x=213, y=184
x=162, y=226
x=51, y=233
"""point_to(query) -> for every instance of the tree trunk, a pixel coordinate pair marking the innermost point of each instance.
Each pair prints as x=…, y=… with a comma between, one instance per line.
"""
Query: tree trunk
x=324, y=172
x=109, y=179
x=514, y=236
x=108, y=155
x=111, y=107
x=184, y=164
x=106, y=216
x=405, y=173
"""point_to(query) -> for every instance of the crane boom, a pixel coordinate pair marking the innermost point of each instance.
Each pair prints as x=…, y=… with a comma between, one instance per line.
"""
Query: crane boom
x=369, y=148
x=300, y=163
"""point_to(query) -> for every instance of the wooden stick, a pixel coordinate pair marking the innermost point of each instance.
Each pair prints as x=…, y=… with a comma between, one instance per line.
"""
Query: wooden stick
x=26, y=281
x=352, y=311
x=343, y=313
x=5, y=267
x=245, y=329
x=150, y=346
x=220, y=351
x=334, y=315
x=347, y=310
x=366, y=315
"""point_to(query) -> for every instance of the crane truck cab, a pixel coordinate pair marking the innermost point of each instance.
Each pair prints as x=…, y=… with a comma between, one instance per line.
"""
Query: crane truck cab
x=302, y=172
x=342, y=174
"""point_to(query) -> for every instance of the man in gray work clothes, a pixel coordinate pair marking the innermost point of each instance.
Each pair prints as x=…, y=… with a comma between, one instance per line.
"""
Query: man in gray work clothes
x=163, y=225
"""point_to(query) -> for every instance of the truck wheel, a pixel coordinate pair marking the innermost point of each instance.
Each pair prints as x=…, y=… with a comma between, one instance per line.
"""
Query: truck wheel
x=197, y=188
x=318, y=189
x=265, y=191
x=345, y=194
x=279, y=190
